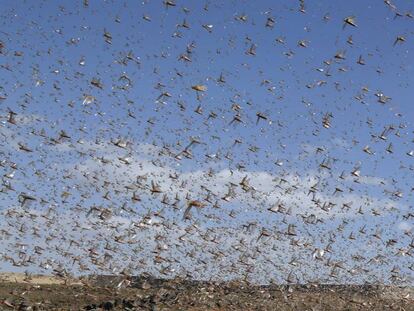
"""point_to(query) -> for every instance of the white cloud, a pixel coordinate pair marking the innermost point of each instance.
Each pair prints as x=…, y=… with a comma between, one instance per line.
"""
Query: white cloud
x=405, y=226
x=291, y=189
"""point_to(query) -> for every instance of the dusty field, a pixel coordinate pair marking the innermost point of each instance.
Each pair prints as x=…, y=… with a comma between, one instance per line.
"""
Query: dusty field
x=49, y=293
x=34, y=279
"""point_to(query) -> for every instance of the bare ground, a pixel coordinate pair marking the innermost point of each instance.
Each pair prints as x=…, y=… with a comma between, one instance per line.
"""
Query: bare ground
x=109, y=293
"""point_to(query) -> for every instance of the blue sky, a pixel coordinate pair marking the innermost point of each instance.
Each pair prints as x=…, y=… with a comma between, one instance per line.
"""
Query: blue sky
x=64, y=49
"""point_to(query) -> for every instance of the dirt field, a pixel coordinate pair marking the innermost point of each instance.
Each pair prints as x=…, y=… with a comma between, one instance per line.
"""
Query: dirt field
x=50, y=293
